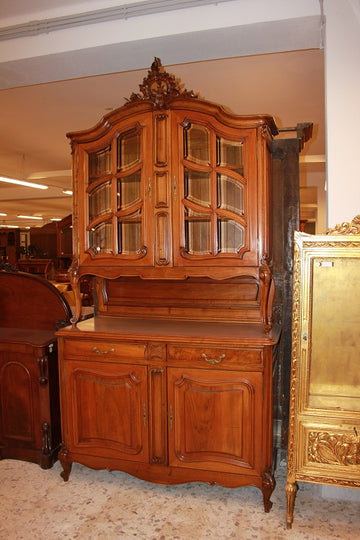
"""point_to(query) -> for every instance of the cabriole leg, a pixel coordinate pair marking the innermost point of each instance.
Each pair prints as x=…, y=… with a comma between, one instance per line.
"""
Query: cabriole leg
x=268, y=486
x=63, y=457
x=291, y=489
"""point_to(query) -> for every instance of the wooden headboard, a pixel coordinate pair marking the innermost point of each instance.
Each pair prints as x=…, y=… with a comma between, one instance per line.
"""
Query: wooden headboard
x=29, y=301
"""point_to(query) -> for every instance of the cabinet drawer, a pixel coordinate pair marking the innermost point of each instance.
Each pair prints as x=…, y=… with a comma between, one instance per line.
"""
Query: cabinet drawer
x=210, y=356
x=98, y=349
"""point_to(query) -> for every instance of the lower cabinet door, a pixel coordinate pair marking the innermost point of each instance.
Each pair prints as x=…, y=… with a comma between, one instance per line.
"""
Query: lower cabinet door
x=20, y=408
x=215, y=419
x=106, y=409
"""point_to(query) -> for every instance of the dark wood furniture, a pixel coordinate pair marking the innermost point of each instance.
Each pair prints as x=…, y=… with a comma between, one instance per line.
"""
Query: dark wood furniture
x=31, y=311
x=285, y=221
x=9, y=245
x=43, y=241
x=40, y=267
x=172, y=379
x=64, y=248
x=64, y=257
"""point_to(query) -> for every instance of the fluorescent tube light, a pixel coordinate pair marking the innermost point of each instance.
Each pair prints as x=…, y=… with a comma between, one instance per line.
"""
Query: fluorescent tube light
x=22, y=183
x=30, y=217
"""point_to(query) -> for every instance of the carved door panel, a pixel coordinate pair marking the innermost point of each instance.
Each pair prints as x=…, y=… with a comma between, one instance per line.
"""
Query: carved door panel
x=19, y=401
x=215, y=419
x=107, y=411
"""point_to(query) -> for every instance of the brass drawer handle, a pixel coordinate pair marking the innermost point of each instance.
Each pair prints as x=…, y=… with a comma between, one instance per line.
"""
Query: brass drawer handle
x=213, y=361
x=98, y=351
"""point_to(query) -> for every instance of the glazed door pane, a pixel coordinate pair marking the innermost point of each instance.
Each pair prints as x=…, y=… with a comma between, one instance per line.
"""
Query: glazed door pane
x=335, y=334
x=100, y=201
x=99, y=163
x=230, y=194
x=129, y=234
x=100, y=238
x=128, y=191
x=197, y=144
x=198, y=187
x=230, y=154
x=197, y=233
x=128, y=149
x=231, y=236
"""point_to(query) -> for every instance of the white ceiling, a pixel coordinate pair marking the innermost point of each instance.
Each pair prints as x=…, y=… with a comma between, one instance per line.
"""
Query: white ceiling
x=35, y=118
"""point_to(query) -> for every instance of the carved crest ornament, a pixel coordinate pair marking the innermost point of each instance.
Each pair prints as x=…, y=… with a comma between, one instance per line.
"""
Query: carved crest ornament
x=347, y=228
x=160, y=87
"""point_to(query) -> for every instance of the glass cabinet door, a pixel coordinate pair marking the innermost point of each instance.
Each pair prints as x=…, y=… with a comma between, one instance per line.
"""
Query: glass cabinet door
x=116, y=199
x=334, y=380
x=214, y=193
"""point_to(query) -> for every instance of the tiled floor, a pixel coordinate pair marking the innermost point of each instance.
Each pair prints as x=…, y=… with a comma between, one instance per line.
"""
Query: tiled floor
x=37, y=504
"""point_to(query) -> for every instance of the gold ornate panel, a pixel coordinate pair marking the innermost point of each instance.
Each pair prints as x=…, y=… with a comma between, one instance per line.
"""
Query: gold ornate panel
x=324, y=422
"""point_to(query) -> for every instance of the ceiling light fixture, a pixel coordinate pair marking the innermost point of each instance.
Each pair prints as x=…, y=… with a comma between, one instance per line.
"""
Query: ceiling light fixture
x=67, y=192
x=1, y=214
x=22, y=183
x=30, y=217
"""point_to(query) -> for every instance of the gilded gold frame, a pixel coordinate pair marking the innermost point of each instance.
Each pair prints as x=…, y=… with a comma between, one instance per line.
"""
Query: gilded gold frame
x=324, y=416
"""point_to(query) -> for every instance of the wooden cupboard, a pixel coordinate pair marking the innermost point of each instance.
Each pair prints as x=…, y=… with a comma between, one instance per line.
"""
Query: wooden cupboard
x=136, y=398
x=172, y=380
x=31, y=311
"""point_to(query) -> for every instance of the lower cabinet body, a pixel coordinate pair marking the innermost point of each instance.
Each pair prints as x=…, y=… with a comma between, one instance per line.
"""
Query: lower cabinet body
x=167, y=413
x=29, y=401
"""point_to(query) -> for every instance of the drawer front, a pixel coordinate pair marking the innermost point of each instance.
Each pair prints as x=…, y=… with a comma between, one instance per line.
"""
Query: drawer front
x=105, y=350
x=214, y=356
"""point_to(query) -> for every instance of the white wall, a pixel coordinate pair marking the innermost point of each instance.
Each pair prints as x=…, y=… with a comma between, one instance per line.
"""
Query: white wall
x=342, y=83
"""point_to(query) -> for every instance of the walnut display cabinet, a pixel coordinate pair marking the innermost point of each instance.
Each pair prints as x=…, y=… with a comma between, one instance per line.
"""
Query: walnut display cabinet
x=172, y=379
x=324, y=423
